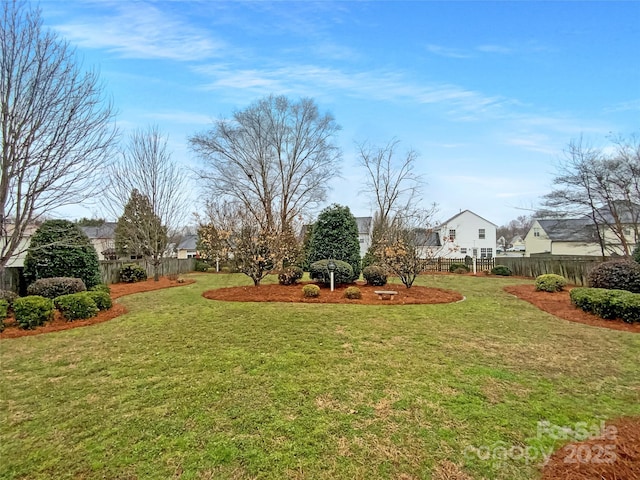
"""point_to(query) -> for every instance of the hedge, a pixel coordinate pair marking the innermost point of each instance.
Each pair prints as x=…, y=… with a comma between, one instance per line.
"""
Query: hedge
x=607, y=303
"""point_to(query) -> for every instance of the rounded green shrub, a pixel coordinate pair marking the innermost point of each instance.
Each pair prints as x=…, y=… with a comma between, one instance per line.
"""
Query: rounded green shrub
x=131, y=273
x=76, y=306
x=501, y=270
x=56, y=286
x=457, y=266
x=352, y=293
x=375, y=275
x=32, y=311
x=616, y=275
x=460, y=271
x=8, y=296
x=101, y=299
x=201, y=266
x=550, y=282
x=311, y=291
x=290, y=275
x=101, y=287
x=59, y=248
x=320, y=272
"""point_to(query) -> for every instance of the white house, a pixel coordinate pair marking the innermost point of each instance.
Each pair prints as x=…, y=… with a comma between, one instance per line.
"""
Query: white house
x=467, y=233
x=364, y=234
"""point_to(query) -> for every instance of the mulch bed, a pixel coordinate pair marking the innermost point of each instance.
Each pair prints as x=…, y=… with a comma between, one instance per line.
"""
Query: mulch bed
x=614, y=457
x=117, y=290
x=293, y=293
x=559, y=304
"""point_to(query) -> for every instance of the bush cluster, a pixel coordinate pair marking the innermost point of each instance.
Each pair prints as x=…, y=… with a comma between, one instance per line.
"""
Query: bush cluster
x=201, y=266
x=33, y=311
x=375, y=275
x=607, y=303
x=461, y=271
x=616, y=275
x=8, y=296
x=352, y=293
x=290, y=275
x=501, y=270
x=55, y=286
x=311, y=291
x=132, y=272
x=4, y=312
x=550, y=282
x=76, y=306
x=458, y=266
x=342, y=274
x=101, y=299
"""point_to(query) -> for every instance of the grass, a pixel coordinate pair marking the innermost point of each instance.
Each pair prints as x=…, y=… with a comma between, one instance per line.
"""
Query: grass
x=184, y=387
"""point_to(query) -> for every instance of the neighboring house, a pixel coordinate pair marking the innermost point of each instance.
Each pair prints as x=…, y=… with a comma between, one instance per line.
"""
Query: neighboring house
x=364, y=234
x=429, y=244
x=467, y=234
x=103, y=239
x=17, y=259
x=187, y=247
x=517, y=244
x=573, y=237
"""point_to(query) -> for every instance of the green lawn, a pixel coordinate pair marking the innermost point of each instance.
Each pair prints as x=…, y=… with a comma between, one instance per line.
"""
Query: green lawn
x=184, y=387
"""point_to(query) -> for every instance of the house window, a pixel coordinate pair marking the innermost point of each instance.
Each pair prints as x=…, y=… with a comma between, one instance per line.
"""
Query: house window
x=481, y=233
x=362, y=240
x=452, y=235
x=536, y=232
x=486, y=252
x=463, y=251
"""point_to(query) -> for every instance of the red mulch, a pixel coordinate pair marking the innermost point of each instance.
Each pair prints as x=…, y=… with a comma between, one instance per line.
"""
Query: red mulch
x=117, y=290
x=559, y=304
x=614, y=457
x=293, y=293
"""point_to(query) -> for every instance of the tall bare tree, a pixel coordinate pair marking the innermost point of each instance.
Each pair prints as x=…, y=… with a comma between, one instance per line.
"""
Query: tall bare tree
x=602, y=186
x=57, y=128
x=275, y=157
x=392, y=184
x=146, y=167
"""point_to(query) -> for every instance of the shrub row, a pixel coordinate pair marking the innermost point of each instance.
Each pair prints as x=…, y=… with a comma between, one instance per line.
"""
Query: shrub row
x=501, y=270
x=56, y=286
x=33, y=311
x=550, y=282
x=607, y=303
x=458, y=268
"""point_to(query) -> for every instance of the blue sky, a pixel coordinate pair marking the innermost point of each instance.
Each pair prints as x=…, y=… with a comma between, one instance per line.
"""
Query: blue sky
x=488, y=93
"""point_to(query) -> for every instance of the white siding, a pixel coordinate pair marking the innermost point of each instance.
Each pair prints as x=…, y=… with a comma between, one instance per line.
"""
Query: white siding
x=467, y=226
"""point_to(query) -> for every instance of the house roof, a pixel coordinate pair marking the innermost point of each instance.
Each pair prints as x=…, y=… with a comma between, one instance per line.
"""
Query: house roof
x=569, y=230
x=106, y=230
x=188, y=242
x=465, y=211
x=627, y=212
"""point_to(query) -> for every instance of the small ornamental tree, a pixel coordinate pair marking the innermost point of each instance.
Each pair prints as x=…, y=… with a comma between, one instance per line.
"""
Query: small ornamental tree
x=59, y=248
x=335, y=236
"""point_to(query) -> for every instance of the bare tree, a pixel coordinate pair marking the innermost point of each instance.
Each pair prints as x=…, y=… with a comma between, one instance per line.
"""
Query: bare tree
x=275, y=158
x=391, y=179
x=602, y=187
x=146, y=167
x=57, y=128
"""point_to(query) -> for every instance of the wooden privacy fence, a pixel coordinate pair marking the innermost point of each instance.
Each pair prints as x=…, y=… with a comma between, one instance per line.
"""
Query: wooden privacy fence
x=443, y=264
x=169, y=266
x=574, y=269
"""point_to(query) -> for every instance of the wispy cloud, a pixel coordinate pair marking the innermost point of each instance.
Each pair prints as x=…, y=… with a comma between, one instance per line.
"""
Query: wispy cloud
x=378, y=84
x=494, y=49
x=139, y=30
x=447, y=52
x=629, y=106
